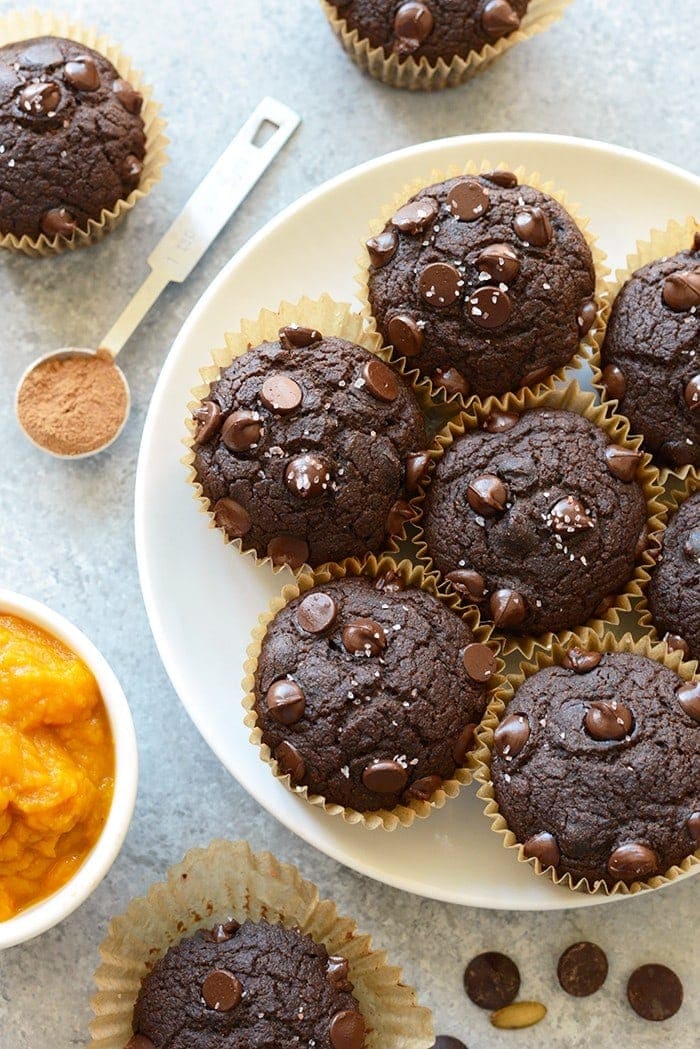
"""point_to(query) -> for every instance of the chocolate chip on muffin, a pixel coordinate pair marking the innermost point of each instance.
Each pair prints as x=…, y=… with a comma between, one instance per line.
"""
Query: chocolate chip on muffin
x=72, y=141
x=674, y=590
x=369, y=694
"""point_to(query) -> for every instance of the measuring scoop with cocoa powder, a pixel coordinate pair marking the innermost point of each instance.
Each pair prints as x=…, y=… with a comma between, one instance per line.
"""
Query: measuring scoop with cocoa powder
x=75, y=402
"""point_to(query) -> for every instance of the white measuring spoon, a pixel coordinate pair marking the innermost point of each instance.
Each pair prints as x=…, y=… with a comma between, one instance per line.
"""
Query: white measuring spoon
x=201, y=220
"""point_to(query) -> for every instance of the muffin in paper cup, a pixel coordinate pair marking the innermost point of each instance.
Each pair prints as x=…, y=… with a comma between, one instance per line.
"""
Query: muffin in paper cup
x=228, y=880
x=589, y=641
x=676, y=237
x=329, y=318
x=589, y=345
x=18, y=26
x=422, y=75
x=372, y=568
x=573, y=399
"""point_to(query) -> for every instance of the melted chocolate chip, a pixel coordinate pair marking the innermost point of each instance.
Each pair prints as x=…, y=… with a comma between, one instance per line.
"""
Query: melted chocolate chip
x=382, y=248
x=682, y=290
x=81, y=73
x=364, y=636
x=581, y=661
x=385, y=777
x=570, y=515
x=500, y=422
x=417, y=466
x=281, y=394
x=288, y=550
x=295, y=337
x=468, y=200
x=416, y=216
x=307, y=475
x=337, y=970
x=40, y=98
x=389, y=582
x=691, y=394
x=131, y=99
x=423, y=789
x=588, y=311
x=380, y=381
x=614, y=382
x=511, y=735
x=232, y=517
x=632, y=861
x=608, y=720
x=400, y=513
x=132, y=168
x=317, y=612
x=688, y=696
x=479, y=662
x=286, y=701
x=467, y=582
x=675, y=643
x=208, y=418
x=464, y=743
x=413, y=23
x=504, y=179
x=489, y=307
x=487, y=495
x=347, y=1030
x=440, y=285
x=405, y=335
x=500, y=262
x=693, y=825
x=532, y=226
x=221, y=990
x=241, y=430
x=543, y=847
x=58, y=222
x=290, y=761
x=451, y=381
x=622, y=463
x=691, y=544
x=508, y=608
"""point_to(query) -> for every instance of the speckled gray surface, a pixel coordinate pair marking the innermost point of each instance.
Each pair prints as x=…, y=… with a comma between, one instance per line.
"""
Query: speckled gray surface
x=623, y=71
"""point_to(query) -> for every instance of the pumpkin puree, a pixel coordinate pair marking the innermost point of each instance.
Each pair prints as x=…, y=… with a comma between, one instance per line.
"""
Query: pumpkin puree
x=56, y=764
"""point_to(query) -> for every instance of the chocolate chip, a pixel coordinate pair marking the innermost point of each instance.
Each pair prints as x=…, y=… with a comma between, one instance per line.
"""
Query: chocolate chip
x=570, y=515
x=405, y=335
x=582, y=969
x=695, y=246
x=642, y=542
x=479, y=662
x=492, y=980
x=399, y=514
x=511, y=735
x=464, y=743
x=500, y=422
x=58, y=222
x=504, y=179
x=307, y=475
x=467, y=582
x=223, y=932
x=588, y=311
x=288, y=550
x=675, y=643
x=693, y=825
x=440, y=285
x=445, y=1041
x=286, y=701
x=413, y=23
x=364, y=636
x=139, y=1041
x=423, y=789
x=608, y=720
x=295, y=337
x=132, y=168
x=532, y=226
x=417, y=466
x=622, y=463
x=500, y=262
x=281, y=394
x=605, y=605
x=632, y=861
x=232, y=517
x=389, y=582
x=489, y=307
x=380, y=381
x=688, y=696
x=130, y=98
x=614, y=382
x=221, y=990
x=468, y=200
x=543, y=847
x=655, y=992
x=581, y=661
x=535, y=376
x=337, y=969
x=347, y=1030
x=385, y=777
x=682, y=290
x=416, y=216
x=208, y=418
x=316, y=612
x=382, y=248
x=290, y=761
x=81, y=73
x=691, y=544
x=241, y=431
x=40, y=98
x=487, y=495
x=691, y=394
x=451, y=381
x=508, y=608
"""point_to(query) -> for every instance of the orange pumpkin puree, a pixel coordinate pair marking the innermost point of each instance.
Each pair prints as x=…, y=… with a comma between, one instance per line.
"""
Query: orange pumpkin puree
x=56, y=764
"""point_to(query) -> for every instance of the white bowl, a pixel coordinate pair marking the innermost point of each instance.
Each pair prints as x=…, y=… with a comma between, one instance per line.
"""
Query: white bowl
x=53, y=909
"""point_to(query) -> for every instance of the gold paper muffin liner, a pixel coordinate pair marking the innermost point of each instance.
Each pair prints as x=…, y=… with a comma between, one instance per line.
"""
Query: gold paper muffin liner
x=325, y=315
x=228, y=880
x=371, y=567
x=421, y=75
x=589, y=345
x=573, y=399
x=23, y=25
x=592, y=641
x=677, y=236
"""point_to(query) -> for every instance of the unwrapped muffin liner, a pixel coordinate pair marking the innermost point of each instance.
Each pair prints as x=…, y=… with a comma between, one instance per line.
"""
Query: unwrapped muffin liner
x=589, y=640
x=677, y=236
x=23, y=25
x=371, y=567
x=330, y=318
x=590, y=344
x=228, y=880
x=569, y=398
x=420, y=74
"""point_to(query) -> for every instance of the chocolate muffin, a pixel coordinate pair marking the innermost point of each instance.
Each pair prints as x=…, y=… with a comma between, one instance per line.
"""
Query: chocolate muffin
x=537, y=518
x=243, y=986
x=72, y=141
x=674, y=590
x=305, y=447
x=369, y=694
x=433, y=29
x=651, y=356
x=596, y=767
x=484, y=285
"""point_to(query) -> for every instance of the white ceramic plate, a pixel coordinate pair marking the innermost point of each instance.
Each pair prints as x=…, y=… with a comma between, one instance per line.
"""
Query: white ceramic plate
x=203, y=598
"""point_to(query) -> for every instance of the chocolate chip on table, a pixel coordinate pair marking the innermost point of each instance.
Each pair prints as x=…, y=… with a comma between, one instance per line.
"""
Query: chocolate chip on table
x=316, y=612
x=382, y=248
x=511, y=736
x=508, y=608
x=281, y=394
x=288, y=550
x=608, y=720
x=81, y=73
x=464, y=743
x=582, y=969
x=489, y=307
x=240, y=431
x=416, y=216
x=492, y=980
x=588, y=311
x=614, y=382
x=654, y=992
x=487, y=495
x=688, y=696
x=221, y=990
x=468, y=200
x=682, y=290
x=405, y=335
x=500, y=262
x=479, y=662
x=385, y=777
x=633, y=860
x=58, y=222
x=502, y=178
x=622, y=463
x=451, y=381
x=380, y=381
x=543, y=847
x=468, y=583
x=130, y=98
x=446, y=1041
x=296, y=337
x=286, y=701
x=232, y=517
x=581, y=661
x=347, y=1030
x=364, y=636
x=533, y=227
x=307, y=476
x=440, y=285
x=290, y=761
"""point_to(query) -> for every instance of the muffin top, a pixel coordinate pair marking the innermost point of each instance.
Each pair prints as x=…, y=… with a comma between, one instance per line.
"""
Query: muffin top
x=432, y=29
x=484, y=285
x=304, y=448
x=651, y=355
x=72, y=141
x=536, y=517
x=596, y=767
x=674, y=590
x=368, y=693
x=248, y=986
